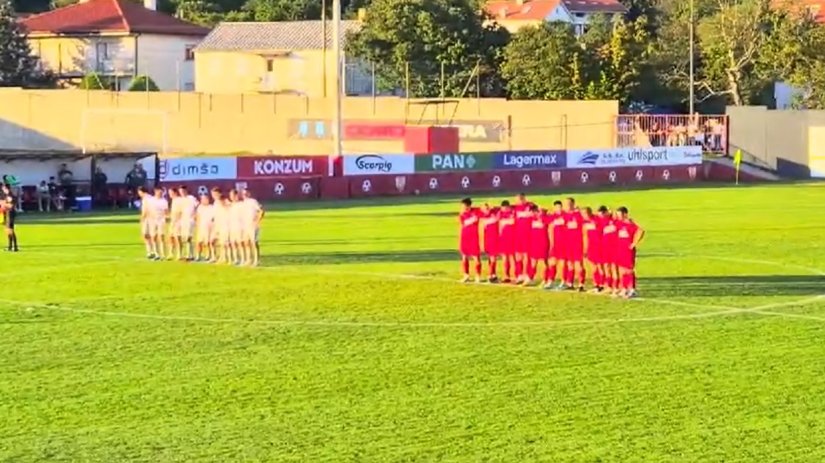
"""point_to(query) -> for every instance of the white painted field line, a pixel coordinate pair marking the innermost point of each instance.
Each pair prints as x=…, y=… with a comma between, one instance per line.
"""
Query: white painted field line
x=356, y=324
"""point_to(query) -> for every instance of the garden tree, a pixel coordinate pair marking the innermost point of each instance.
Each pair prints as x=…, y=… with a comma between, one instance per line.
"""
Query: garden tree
x=18, y=68
x=94, y=81
x=615, y=54
x=283, y=10
x=31, y=6
x=423, y=40
x=793, y=53
x=543, y=62
x=143, y=83
x=731, y=40
x=644, y=9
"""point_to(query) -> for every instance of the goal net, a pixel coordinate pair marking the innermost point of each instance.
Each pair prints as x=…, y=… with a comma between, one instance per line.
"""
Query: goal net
x=124, y=130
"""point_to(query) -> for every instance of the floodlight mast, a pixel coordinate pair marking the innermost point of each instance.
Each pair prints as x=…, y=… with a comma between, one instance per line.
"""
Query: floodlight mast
x=339, y=65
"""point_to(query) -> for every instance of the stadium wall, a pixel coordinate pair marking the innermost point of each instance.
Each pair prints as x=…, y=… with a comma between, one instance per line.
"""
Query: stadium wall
x=187, y=123
x=790, y=142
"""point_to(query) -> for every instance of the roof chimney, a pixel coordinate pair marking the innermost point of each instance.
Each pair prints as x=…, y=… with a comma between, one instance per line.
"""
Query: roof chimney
x=502, y=13
x=521, y=2
x=362, y=14
x=150, y=4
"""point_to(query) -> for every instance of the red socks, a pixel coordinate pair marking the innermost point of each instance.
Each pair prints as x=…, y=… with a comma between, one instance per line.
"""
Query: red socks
x=549, y=273
x=465, y=267
x=507, y=274
x=478, y=268
x=582, y=276
x=519, y=268
x=492, y=265
x=531, y=270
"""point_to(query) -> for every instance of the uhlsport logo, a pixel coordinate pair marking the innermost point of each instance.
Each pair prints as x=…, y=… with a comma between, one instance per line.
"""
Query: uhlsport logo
x=373, y=162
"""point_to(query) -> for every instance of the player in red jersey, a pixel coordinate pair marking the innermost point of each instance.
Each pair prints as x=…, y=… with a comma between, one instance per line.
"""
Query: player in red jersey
x=573, y=267
x=609, y=237
x=507, y=239
x=522, y=243
x=593, y=227
x=628, y=237
x=489, y=222
x=557, y=236
x=539, y=245
x=469, y=243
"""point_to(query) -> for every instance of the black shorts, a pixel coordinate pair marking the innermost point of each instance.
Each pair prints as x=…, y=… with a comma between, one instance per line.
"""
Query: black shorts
x=9, y=225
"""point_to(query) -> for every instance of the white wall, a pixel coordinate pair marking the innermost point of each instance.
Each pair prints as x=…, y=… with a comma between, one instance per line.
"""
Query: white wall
x=560, y=13
x=163, y=58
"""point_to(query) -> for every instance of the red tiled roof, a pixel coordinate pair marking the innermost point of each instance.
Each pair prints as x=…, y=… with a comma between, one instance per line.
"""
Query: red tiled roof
x=526, y=9
x=595, y=6
x=95, y=16
x=815, y=7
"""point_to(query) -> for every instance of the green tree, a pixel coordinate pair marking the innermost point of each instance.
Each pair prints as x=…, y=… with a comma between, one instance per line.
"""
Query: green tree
x=616, y=52
x=143, y=83
x=95, y=81
x=18, y=67
x=543, y=63
x=424, y=40
x=283, y=10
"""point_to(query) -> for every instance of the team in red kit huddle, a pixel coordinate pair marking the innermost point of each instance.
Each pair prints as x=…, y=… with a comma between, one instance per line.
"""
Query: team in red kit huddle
x=565, y=242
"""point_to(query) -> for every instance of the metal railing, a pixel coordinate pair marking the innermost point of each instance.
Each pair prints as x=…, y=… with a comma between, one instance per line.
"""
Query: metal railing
x=708, y=131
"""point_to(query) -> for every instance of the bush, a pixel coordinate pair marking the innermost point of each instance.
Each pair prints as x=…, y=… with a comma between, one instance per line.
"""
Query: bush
x=95, y=81
x=143, y=84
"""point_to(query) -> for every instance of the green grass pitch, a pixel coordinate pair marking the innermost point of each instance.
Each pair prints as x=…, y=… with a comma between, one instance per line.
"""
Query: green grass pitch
x=355, y=342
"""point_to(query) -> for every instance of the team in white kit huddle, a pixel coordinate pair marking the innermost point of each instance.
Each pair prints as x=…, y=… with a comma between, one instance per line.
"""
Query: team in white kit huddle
x=216, y=228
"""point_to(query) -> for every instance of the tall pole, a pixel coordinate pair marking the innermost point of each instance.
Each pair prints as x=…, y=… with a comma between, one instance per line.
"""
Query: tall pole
x=692, y=64
x=324, y=52
x=336, y=52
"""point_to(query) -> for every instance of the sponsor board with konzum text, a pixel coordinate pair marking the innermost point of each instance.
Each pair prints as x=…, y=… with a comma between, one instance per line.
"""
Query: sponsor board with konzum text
x=635, y=157
x=254, y=167
x=378, y=164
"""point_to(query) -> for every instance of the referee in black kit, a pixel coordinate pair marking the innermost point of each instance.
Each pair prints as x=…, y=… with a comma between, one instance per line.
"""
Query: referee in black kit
x=7, y=206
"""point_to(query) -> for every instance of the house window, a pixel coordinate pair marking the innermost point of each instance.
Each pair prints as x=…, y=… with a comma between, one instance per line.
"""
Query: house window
x=102, y=56
x=189, y=54
x=270, y=65
x=580, y=30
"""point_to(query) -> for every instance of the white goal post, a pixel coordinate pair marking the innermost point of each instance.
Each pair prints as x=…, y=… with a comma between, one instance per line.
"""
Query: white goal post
x=124, y=130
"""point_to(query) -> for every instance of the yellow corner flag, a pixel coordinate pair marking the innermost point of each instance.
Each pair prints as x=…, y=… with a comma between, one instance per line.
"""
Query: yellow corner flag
x=737, y=161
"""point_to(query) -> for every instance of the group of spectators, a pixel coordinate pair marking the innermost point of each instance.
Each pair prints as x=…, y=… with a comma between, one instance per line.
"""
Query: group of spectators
x=706, y=131
x=59, y=192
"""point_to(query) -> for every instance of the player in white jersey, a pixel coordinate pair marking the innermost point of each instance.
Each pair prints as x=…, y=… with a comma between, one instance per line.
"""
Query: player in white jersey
x=188, y=208
x=205, y=223
x=253, y=214
x=158, y=211
x=146, y=222
x=221, y=214
x=174, y=224
x=236, y=228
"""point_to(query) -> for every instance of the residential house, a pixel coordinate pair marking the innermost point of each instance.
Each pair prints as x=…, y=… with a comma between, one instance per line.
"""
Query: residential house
x=293, y=57
x=515, y=14
x=119, y=39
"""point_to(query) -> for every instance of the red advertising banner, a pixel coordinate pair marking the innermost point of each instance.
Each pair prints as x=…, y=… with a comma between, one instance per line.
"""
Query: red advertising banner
x=373, y=131
x=263, y=167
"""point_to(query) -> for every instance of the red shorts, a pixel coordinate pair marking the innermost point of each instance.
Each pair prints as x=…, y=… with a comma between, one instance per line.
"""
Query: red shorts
x=595, y=255
x=470, y=248
x=557, y=252
x=491, y=246
x=626, y=258
x=521, y=244
x=539, y=252
x=574, y=251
